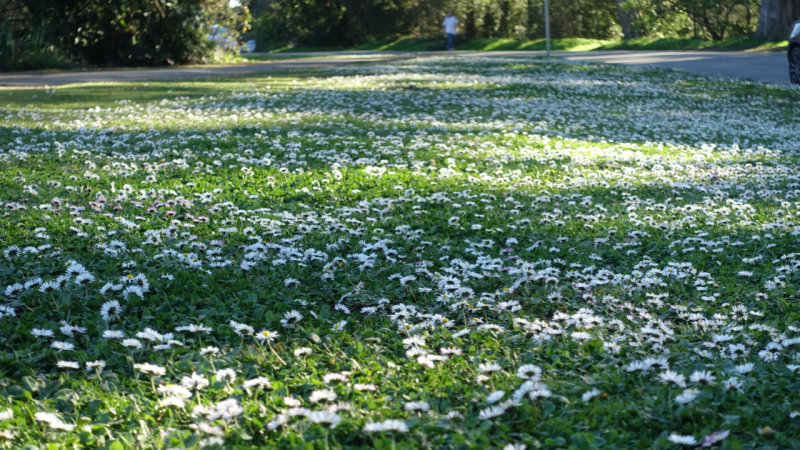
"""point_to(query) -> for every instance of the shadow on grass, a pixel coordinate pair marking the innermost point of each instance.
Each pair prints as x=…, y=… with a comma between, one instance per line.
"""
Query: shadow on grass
x=359, y=107
x=105, y=95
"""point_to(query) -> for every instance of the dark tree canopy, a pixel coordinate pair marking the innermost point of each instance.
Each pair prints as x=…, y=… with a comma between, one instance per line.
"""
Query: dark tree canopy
x=107, y=32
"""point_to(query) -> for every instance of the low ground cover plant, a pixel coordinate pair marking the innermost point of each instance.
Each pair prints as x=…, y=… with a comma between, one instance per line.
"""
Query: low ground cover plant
x=431, y=253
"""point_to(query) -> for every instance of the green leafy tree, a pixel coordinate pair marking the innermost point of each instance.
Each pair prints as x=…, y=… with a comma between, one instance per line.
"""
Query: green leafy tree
x=584, y=18
x=654, y=18
x=718, y=19
x=118, y=32
x=715, y=19
x=348, y=22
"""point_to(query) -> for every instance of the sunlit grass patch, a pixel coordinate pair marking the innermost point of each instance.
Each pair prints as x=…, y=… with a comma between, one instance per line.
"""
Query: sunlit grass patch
x=668, y=43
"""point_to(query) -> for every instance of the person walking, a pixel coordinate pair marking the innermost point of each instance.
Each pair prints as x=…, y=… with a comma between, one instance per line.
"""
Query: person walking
x=450, y=23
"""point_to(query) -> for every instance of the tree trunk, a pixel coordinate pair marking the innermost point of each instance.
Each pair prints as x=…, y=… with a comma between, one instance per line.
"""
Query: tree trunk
x=505, y=8
x=470, y=26
x=625, y=18
x=776, y=17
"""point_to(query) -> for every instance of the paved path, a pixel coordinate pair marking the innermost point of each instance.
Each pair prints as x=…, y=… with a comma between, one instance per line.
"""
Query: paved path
x=39, y=79
x=765, y=67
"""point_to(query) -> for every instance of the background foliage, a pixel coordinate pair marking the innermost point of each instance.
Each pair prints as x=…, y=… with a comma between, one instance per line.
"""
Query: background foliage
x=351, y=22
x=53, y=33
x=61, y=33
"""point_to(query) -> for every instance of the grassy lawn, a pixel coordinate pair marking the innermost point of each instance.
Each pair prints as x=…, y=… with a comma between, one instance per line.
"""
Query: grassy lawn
x=431, y=253
x=560, y=44
x=734, y=44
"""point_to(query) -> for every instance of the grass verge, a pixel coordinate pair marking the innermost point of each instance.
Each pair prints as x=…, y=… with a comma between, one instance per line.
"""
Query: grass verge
x=560, y=44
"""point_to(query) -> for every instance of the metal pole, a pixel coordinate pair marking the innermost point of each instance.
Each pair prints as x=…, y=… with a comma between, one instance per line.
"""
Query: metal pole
x=547, y=26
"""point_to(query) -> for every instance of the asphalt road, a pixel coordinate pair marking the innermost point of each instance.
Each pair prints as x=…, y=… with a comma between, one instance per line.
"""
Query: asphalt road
x=764, y=67
x=767, y=67
x=331, y=59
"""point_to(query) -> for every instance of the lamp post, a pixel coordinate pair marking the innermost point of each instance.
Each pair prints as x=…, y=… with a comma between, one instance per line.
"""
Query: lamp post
x=547, y=26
